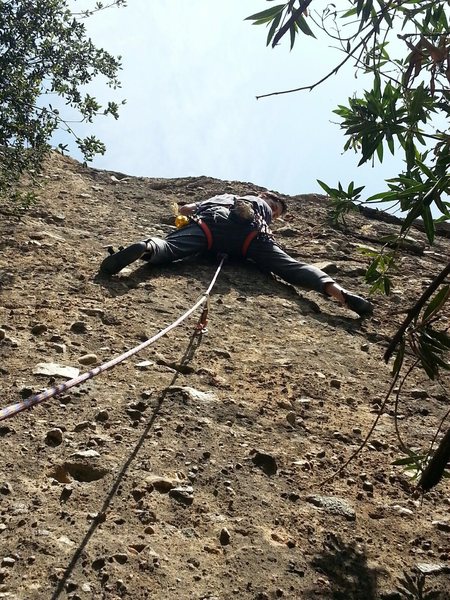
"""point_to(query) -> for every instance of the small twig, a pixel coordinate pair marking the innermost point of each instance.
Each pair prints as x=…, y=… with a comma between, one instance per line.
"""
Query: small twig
x=403, y=446
x=332, y=72
x=366, y=439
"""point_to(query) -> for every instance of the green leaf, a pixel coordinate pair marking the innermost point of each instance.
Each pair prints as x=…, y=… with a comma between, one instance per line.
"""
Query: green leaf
x=398, y=362
x=408, y=460
x=437, y=302
x=269, y=13
x=383, y=196
x=442, y=206
x=428, y=222
x=303, y=26
x=377, y=85
x=349, y=13
x=380, y=152
x=292, y=33
x=273, y=28
x=325, y=187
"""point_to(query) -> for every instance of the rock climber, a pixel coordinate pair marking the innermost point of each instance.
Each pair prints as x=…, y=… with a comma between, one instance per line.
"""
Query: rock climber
x=237, y=226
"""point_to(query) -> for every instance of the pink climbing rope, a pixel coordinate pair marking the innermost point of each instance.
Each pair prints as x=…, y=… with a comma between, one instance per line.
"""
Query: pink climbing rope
x=13, y=409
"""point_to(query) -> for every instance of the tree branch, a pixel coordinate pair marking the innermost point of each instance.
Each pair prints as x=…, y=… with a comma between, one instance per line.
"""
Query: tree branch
x=332, y=72
x=283, y=30
x=435, y=469
x=415, y=310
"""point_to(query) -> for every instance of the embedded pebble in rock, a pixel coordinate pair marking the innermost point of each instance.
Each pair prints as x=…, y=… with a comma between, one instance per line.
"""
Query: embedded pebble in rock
x=2, y=334
x=83, y=425
x=224, y=537
x=39, y=328
x=367, y=486
x=327, y=267
x=55, y=370
x=88, y=359
x=79, y=327
x=54, y=437
x=432, y=568
x=189, y=393
x=402, y=511
x=286, y=404
x=183, y=494
x=222, y=353
x=442, y=525
x=65, y=541
x=66, y=493
x=419, y=394
x=85, y=454
x=102, y=416
x=333, y=505
x=265, y=462
x=121, y=558
x=144, y=365
x=8, y=561
x=291, y=417
x=335, y=383
x=287, y=231
x=93, y=312
x=163, y=485
x=135, y=415
x=59, y=348
x=5, y=488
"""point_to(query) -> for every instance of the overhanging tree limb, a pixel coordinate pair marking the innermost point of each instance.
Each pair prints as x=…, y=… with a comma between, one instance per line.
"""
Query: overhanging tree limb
x=415, y=310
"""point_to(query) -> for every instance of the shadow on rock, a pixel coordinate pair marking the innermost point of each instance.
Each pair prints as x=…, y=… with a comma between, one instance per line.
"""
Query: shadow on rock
x=243, y=277
x=347, y=570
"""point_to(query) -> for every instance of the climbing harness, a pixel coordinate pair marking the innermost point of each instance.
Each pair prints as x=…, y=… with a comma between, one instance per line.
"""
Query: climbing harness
x=13, y=409
x=209, y=238
x=241, y=212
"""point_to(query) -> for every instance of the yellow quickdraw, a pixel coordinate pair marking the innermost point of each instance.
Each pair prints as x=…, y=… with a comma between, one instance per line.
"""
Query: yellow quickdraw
x=180, y=220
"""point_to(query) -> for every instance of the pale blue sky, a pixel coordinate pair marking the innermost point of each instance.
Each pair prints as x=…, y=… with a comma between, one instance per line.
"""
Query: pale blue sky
x=191, y=71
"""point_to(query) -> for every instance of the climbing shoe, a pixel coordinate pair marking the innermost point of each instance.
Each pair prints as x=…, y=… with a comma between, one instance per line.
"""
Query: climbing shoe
x=117, y=261
x=357, y=304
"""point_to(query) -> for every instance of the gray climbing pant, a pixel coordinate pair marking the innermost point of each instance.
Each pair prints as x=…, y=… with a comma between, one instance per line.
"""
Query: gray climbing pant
x=228, y=238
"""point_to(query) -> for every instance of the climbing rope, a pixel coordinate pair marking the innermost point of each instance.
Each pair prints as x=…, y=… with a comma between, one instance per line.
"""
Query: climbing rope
x=13, y=409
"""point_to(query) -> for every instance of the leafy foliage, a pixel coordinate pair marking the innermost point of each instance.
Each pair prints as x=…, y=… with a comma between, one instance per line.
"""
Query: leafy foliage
x=407, y=107
x=403, y=49
x=45, y=51
x=412, y=587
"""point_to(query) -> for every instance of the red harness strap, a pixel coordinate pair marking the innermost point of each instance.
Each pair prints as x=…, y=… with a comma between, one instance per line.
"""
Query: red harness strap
x=209, y=238
x=248, y=240
x=206, y=231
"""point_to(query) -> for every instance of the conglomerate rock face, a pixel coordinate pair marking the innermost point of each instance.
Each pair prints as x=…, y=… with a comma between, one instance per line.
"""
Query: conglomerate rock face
x=200, y=467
